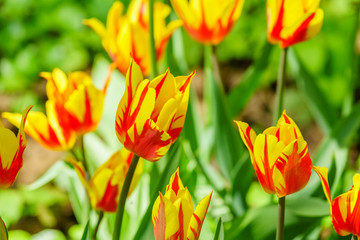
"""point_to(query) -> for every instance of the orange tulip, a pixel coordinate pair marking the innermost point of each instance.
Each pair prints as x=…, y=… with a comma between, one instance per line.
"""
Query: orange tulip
x=127, y=36
x=173, y=214
x=208, y=21
x=279, y=156
x=11, y=152
x=46, y=130
x=151, y=114
x=345, y=208
x=78, y=103
x=293, y=21
x=105, y=185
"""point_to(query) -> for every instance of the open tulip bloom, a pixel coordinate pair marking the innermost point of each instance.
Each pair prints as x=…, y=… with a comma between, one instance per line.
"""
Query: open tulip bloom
x=74, y=107
x=106, y=183
x=151, y=114
x=11, y=152
x=208, y=21
x=293, y=21
x=279, y=156
x=173, y=215
x=127, y=36
x=345, y=208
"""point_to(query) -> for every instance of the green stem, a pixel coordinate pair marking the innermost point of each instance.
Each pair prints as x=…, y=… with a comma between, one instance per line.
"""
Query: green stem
x=123, y=196
x=279, y=107
x=354, y=237
x=82, y=147
x=101, y=215
x=152, y=39
x=281, y=219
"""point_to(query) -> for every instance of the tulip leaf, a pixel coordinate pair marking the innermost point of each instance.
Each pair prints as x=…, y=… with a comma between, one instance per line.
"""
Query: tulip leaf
x=227, y=145
x=86, y=233
x=219, y=233
x=315, y=99
x=308, y=207
x=241, y=94
x=3, y=230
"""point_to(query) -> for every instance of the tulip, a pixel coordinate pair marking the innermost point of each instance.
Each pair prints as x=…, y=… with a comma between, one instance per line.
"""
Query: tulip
x=127, y=36
x=345, y=208
x=279, y=156
x=208, y=21
x=173, y=215
x=77, y=102
x=46, y=130
x=105, y=185
x=11, y=152
x=293, y=21
x=150, y=115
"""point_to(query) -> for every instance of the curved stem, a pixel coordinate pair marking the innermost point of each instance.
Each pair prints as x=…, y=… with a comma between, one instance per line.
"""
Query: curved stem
x=152, y=39
x=281, y=219
x=123, y=196
x=101, y=215
x=280, y=86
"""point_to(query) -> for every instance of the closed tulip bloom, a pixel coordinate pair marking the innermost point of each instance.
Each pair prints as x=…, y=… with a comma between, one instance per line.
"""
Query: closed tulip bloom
x=78, y=103
x=46, y=130
x=344, y=208
x=127, y=36
x=173, y=214
x=151, y=114
x=279, y=156
x=11, y=152
x=106, y=183
x=208, y=21
x=293, y=21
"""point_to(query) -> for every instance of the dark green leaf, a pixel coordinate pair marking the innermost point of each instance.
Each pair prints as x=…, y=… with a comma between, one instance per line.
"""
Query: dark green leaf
x=219, y=233
x=86, y=233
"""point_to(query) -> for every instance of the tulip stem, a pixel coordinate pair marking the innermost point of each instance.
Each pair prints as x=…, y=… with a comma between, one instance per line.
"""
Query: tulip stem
x=152, y=39
x=354, y=237
x=123, y=196
x=101, y=215
x=82, y=146
x=281, y=219
x=280, y=86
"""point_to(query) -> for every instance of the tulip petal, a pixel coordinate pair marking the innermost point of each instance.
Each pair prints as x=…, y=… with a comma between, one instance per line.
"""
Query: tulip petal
x=198, y=217
x=96, y=25
x=248, y=136
x=165, y=219
x=285, y=119
x=292, y=169
x=322, y=172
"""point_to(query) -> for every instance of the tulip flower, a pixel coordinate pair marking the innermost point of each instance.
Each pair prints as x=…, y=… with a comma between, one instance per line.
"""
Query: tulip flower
x=105, y=185
x=78, y=103
x=344, y=208
x=151, y=114
x=46, y=130
x=11, y=152
x=279, y=156
x=293, y=21
x=173, y=215
x=127, y=36
x=208, y=21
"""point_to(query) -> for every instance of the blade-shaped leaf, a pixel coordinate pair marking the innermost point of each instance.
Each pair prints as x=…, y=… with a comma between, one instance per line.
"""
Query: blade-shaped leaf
x=3, y=230
x=219, y=233
x=86, y=233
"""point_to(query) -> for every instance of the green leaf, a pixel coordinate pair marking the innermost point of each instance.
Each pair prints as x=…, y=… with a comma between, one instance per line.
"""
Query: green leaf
x=49, y=234
x=241, y=94
x=219, y=233
x=86, y=233
x=316, y=101
x=3, y=230
x=308, y=207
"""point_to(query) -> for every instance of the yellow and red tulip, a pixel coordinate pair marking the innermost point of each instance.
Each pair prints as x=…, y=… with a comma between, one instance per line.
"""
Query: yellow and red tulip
x=151, y=114
x=208, y=21
x=105, y=185
x=344, y=208
x=46, y=130
x=173, y=214
x=293, y=21
x=11, y=152
x=78, y=103
x=279, y=156
x=127, y=36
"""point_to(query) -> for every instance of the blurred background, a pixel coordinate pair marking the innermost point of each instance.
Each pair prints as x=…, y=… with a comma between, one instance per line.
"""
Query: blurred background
x=322, y=87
